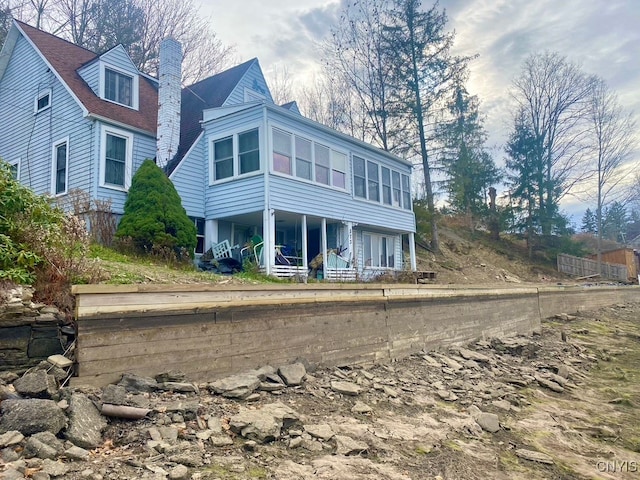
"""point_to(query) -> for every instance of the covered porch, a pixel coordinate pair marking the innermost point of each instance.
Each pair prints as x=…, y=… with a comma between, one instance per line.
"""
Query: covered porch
x=287, y=244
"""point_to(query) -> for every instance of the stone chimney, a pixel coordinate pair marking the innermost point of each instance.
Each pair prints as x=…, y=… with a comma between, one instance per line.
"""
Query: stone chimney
x=169, y=94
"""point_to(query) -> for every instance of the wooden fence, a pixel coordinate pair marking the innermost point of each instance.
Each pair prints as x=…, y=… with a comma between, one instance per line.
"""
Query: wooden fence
x=584, y=268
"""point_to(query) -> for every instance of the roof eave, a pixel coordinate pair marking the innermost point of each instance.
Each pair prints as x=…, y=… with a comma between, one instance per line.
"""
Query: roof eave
x=116, y=123
x=85, y=112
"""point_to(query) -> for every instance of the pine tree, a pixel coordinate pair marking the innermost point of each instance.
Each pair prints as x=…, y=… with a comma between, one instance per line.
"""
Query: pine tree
x=423, y=71
x=470, y=170
x=589, y=223
x=615, y=221
x=153, y=213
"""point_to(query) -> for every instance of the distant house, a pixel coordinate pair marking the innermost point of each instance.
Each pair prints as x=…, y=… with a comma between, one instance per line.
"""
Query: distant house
x=250, y=173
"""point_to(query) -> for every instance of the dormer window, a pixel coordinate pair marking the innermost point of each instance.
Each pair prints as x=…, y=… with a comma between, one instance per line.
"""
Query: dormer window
x=42, y=101
x=119, y=87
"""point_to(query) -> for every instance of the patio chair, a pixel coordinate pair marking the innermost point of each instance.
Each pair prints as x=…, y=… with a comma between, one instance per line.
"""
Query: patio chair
x=221, y=250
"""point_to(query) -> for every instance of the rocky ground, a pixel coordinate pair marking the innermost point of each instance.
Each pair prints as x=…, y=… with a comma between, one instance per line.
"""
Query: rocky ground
x=561, y=404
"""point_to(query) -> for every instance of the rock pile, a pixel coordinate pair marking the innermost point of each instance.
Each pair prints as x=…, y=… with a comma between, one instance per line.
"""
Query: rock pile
x=333, y=419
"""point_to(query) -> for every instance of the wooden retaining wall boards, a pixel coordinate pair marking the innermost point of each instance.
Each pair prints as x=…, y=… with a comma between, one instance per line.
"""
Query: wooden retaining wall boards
x=208, y=331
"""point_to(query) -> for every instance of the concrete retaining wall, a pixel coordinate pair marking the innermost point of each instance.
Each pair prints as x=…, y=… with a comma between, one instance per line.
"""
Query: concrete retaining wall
x=207, y=331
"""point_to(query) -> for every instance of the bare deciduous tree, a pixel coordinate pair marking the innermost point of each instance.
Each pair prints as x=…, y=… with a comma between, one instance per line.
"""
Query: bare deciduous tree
x=554, y=94
x=612, y=133
x=327, y=99
x=357, y=52
x=280, y=84
x=139, y=25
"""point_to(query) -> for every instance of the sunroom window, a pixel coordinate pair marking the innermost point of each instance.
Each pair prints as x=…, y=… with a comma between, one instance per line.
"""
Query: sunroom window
x=249, y=151
x=323, y=162
x=223, y=158
x=304, y=158
x=282, y=151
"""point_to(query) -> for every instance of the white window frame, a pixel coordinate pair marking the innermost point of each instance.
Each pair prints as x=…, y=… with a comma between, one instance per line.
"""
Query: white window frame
x=380, y=201
x=40, y=95
x=134, y=85
x=128, y=165
x=16, y=163
x=234, y=134
x=294, y=154
x=198, y=235
x=54, y=166
x=377, y=237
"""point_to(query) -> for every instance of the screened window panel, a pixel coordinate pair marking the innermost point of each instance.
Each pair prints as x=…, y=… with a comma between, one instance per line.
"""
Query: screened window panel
x=386, y=186
x=323, y=162
x=373, y=182
x=223, y=158
x=303, y=158
x=397, y=192
x=338, y=169
x=303, y=169
x=249, y=151
x=359, y=178
x=282, y=142
x=406, y=192
x=281, y=163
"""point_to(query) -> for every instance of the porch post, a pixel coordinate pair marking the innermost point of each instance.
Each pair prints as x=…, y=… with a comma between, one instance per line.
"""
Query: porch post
x=304, y=243
x=268, y=229
x=349, y=245
x=412, y=251
x=324, y=248
x=210, y=233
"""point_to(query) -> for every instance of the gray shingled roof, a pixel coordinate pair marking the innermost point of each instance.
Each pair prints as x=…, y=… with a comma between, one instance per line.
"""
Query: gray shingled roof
x=208, y=93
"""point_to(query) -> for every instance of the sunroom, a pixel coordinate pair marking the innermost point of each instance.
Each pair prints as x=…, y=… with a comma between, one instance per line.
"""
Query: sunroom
x=300, y=199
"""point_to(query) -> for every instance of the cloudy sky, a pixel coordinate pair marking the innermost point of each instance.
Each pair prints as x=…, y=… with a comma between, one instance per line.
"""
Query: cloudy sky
x=603, y=36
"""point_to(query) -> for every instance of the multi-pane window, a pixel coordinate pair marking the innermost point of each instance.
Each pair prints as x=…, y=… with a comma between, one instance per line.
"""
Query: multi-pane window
x=308, y=160
x=236, y=154
x=379, y=250
x=223, y=158
x=338, y=169
x=373, y=183
x=359, y=177
x=406, y=192
x=282, y=151
x=304, y=158
x=386, y=185
x=118, y=87
x=42, y=101
x=249, y=151
x=115, y=160
x=323, y=164
x=380, y=184
x=397, y=193
x=60, y=152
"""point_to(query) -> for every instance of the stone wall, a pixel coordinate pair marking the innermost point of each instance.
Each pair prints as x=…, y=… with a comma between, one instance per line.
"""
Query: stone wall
x=208, y=333
x=29, y=332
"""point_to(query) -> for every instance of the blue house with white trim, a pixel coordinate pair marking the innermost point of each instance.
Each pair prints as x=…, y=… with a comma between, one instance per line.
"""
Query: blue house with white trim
x=248, y=171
